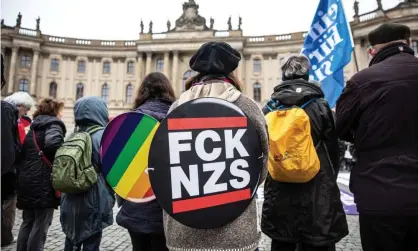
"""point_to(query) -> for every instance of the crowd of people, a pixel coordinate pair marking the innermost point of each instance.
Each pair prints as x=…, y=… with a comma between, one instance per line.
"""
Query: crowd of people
x=377, y=112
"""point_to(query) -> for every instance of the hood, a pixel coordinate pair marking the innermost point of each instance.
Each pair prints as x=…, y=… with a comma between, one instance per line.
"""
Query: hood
x=44, y=121
x=156, y=108
x=296, y=92
x=213, y=89
x=91, y=111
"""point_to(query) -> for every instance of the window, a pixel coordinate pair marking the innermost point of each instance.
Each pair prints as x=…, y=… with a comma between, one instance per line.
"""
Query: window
x=81, y=66
x=79, y=91
x=105, y=92
x=129, y=91
x=23, y=85
x=131, y=67
x=53, y=90
x=55, y=64
x=414, y=46
x=106, y=67
x=257, y=66
x=160, y=65
x=257, y=92
x=188, y=74
x=25, y=61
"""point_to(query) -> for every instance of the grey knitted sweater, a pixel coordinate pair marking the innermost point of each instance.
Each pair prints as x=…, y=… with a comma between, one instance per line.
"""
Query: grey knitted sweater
x=242, y=234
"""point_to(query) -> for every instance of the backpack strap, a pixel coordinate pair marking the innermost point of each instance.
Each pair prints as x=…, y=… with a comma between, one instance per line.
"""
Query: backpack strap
x=93, y=129
x=40, y=152
x=307, y=103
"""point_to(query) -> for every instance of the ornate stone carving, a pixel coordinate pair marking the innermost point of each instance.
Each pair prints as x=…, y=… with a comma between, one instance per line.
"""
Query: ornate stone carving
x=229, y=24
x=239, y=23
x=168, y=25
x=190, y=20
x=19, y=20
x=142, y=27
x=379, y=4
x=212, y=21
x=150, y=27
x=356, y=9
x=38, y=23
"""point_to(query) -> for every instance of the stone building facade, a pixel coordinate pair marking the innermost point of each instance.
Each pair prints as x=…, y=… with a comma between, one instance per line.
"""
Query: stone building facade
x=69, y=68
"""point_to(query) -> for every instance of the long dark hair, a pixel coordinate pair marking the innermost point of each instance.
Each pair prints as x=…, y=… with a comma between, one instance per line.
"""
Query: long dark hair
x=154, y=86
x=231, y=77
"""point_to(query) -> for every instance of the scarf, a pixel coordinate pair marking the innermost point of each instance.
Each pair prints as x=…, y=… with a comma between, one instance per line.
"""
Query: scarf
x=389, y=51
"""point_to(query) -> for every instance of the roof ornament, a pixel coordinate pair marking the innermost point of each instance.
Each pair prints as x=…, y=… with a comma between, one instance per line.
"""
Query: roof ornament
x=190, y=20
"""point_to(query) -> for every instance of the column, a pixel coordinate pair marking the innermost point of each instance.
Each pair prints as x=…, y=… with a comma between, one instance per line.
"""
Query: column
x=72, y=86
x=2, y=51
x=166, y=62
x=174, y=71
x=11, y=82
x=139, y=69
x=148, y=66
x=61, y=84
x=34, y=72
x=241, y=72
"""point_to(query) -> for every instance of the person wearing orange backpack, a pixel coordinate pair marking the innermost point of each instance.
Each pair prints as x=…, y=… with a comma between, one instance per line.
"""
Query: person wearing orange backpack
x=304, y=212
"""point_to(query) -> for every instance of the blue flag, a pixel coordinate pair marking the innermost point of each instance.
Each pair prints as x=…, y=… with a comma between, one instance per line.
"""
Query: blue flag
x=328, y=45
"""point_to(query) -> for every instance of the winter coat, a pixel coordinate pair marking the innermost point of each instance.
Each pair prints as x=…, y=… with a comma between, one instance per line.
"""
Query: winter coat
x=378, y=112
x=10, y=149
x=88, y=213
x=312, y=212
x=145, y=218
x=34, y=180
x=241, y=234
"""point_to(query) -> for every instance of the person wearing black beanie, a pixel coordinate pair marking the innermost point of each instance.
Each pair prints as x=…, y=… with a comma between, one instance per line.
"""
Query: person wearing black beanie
x=378, y=112
x=215, y=62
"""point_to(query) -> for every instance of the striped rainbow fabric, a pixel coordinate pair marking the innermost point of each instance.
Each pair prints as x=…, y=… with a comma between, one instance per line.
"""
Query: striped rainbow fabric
x=124, y=152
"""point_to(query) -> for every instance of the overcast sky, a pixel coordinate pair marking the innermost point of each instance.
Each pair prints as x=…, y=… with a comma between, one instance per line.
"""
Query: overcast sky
x=120, y=19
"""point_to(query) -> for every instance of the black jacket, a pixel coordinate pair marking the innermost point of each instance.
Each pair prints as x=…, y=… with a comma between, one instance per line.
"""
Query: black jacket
x=10, y=149
x=378, y=112
x=311, y=212
x=34, y=181
x=146, y=218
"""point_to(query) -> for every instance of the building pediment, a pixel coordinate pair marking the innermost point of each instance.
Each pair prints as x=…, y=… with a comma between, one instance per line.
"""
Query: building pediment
x=190, y=20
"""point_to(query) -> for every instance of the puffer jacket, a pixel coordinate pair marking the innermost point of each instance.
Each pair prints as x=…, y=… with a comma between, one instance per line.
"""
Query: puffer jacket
x=146, y=218
x=34, y=180
x=88, y=213
x=312, y=212
x=10, y=149
x=242, y=234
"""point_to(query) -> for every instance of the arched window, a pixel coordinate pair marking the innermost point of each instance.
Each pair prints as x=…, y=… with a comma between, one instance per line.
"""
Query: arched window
x=129, y=91
x=79, y=91
x=105, y=92
x=23, y=85
x=55, y=64
x=257, y=92
x=188, y=74
x=53, y=90
x=25, y=61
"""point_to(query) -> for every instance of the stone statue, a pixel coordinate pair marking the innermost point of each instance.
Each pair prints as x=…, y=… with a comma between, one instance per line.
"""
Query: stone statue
x=38, y=21
x=379, y=4
x=168, y=25
x=356, y=9
x=190, y=19
x=150, y=27
x=19, y=20
x=229, y=24
x=142, y=27
x=212, y=21
x=2, y=22
x=239, y=23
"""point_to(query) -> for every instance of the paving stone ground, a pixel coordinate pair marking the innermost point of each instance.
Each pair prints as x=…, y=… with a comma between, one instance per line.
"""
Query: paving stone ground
x=116, y=238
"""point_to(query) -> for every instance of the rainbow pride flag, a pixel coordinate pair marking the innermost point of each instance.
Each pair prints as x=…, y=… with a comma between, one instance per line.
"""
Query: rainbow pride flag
x=124, y=152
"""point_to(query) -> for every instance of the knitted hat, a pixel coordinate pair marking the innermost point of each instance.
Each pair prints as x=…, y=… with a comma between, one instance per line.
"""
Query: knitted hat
x=389, y=32
x=215, y=58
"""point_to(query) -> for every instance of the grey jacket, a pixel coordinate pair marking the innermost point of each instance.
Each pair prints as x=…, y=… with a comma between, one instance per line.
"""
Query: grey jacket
x=242, y=234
